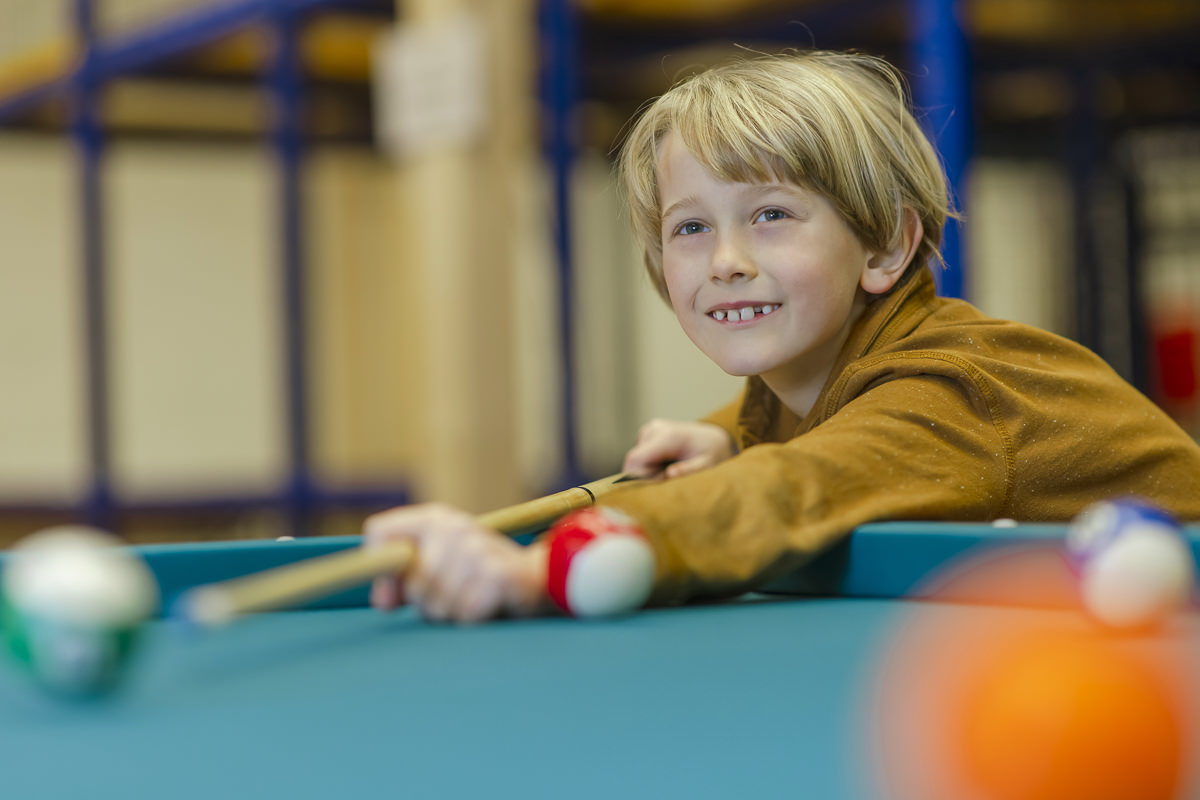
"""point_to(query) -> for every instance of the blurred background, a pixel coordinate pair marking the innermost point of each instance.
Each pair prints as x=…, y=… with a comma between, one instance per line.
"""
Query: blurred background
x=269, y=265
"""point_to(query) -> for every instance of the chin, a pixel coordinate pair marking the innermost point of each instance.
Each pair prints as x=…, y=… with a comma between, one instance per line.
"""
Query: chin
x=741, y=360
x=741, y=367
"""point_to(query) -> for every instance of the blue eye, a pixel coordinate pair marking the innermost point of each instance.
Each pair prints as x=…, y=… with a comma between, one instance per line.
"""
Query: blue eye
x=688, y=228
x=771, y=215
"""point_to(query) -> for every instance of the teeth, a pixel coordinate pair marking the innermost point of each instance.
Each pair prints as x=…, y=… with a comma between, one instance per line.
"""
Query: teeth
x=742, y=314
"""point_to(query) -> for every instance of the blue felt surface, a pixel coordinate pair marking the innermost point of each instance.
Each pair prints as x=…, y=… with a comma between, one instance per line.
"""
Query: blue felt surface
x=700, y=702
x=764, y=699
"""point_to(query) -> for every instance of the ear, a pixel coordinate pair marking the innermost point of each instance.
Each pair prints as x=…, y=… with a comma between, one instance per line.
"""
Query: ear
x=884, y=268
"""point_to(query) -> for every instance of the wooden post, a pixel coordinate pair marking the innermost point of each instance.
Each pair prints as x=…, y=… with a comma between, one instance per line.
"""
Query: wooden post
x=456, y=209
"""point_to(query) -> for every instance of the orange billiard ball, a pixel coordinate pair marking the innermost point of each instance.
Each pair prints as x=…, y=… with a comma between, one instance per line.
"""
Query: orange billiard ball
x=1054, y=715
x=996, y=687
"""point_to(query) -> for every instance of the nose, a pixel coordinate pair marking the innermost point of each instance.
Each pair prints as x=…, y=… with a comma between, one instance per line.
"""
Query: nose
x=731, y=260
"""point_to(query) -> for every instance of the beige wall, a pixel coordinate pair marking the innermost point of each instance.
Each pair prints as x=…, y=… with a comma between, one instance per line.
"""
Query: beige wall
x=195, y=321
x=363, y=342
x=31, y=23
x=41, y=375
x=1018, y=243
x=118, y=16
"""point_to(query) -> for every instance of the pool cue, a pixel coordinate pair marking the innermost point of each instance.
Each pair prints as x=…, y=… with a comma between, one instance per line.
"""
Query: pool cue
x=216, y=604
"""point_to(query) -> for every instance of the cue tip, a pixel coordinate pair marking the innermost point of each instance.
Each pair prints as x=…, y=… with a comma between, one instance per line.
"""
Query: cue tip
x=203, y=607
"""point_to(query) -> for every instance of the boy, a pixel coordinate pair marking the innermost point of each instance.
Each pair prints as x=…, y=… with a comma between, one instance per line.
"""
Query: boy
x=788, y=208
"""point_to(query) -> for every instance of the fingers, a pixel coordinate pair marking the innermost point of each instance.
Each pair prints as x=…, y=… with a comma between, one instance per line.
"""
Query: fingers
x=689, y=465
x=407, y=524
x=676, y=448
x=386, y=590
x=463, y=572
x=453, y=564
x=659, y=443
x=480, y=600
x=385, y=593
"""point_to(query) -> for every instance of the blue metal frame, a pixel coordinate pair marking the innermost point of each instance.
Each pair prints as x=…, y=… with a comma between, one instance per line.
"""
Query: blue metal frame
x=560, y=90
x=941, y=96
x=286, y=92
x=88, y=138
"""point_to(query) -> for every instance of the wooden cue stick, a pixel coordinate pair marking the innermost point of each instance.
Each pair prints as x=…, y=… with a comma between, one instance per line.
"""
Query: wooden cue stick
x=218, y=603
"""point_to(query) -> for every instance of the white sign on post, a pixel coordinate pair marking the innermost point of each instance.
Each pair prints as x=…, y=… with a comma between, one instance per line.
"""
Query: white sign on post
x=429, y=86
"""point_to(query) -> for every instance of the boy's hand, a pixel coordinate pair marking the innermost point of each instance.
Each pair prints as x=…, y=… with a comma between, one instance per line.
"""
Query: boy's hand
x=463, y=572
x=682, y=447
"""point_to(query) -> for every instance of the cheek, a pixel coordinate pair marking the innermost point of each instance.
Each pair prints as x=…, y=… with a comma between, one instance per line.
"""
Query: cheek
x=829, y=276
x=681, y=294
x=680, y=306
x=677, y=289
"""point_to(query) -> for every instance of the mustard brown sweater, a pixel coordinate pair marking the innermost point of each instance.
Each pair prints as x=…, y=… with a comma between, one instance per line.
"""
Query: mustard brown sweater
x=933, y=411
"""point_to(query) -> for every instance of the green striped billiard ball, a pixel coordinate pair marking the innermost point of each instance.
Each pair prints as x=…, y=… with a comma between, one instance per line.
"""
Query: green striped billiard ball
x=72, y=604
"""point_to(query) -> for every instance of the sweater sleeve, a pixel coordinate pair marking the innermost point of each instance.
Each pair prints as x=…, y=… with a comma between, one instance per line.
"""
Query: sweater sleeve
x=921, y=447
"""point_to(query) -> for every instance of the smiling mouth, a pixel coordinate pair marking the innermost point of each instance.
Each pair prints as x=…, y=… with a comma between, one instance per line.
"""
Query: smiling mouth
x=743, y=314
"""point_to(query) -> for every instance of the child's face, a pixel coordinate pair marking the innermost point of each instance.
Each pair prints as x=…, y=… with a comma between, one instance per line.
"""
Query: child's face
x=764, y=278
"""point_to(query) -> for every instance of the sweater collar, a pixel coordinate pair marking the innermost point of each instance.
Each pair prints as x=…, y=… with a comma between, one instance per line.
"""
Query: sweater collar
x=887, y=318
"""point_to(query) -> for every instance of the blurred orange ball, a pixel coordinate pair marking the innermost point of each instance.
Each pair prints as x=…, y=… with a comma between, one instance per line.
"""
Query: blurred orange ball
x=1056, y=715
x=979, y=698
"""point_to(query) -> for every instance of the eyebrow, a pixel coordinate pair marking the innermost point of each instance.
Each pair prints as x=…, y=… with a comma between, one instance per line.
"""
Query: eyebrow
x=767, y=188
x=690, y=200
x=753, y=189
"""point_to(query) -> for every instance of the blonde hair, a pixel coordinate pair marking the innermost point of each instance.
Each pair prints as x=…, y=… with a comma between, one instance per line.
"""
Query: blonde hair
x=838, y=124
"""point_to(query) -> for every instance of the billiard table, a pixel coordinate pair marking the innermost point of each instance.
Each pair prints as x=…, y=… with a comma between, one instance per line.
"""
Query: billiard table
x=770, y=695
